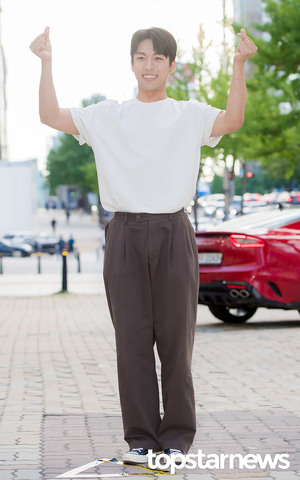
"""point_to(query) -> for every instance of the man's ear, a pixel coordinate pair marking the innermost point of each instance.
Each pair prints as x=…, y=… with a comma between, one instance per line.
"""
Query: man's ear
x=173, y=67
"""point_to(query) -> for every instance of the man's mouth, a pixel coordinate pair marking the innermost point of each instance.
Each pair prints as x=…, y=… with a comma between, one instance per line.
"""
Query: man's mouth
x=149, y=77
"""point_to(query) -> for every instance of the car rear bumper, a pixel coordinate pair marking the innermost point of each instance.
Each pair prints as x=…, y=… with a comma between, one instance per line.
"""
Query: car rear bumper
x=234, y=294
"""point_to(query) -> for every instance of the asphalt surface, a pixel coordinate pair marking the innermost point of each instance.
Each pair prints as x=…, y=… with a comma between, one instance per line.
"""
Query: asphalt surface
x=59, y=405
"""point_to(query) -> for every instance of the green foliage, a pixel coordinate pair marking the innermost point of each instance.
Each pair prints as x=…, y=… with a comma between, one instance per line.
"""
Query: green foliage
x=281, y=51
x=216, y=185
x=259, y=183
x=274, y=93
x=71, y=164
x=270, y=133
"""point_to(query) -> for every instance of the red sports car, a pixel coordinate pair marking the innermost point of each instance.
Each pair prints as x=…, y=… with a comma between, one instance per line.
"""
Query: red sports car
x=249, y=262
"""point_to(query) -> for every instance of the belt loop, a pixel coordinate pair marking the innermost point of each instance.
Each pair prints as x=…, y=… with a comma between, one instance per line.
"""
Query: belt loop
x=126, y=218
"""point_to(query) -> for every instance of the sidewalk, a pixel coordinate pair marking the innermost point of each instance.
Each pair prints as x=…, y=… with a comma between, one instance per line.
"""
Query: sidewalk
x=59, y=396
x=32, y=285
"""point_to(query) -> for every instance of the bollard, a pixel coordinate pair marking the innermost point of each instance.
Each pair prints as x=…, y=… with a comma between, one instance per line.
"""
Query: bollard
x=64, y=272
x=39, y=261
x=78, y=260
x=1, y=266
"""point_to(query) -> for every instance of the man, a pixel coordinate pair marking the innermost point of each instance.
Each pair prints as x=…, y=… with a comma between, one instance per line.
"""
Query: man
x=147, y=153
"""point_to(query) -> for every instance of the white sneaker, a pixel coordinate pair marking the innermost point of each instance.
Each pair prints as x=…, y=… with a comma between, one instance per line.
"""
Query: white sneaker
x=136, y=456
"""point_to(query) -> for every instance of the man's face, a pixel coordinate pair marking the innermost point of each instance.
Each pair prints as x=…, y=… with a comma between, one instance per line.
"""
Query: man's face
x=150, y=68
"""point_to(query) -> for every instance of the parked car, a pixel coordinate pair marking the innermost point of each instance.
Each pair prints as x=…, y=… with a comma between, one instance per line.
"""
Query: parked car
x=250, y=262
x=7, y=249
x=214, y=205
x=294, y=198
x=18, y=238
x=289, y=198
x=253, y=197
x=46, y=243
x=43, y=242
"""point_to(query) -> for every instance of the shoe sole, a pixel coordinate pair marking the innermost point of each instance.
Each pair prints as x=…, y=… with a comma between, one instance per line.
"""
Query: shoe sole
x=135, y=461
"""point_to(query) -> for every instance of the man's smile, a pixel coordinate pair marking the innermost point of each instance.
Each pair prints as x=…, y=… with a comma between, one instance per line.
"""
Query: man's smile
x=149, y=77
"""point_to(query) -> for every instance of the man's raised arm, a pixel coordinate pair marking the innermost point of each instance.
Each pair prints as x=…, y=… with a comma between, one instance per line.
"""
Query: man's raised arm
x=233, y=117
x=50, y=112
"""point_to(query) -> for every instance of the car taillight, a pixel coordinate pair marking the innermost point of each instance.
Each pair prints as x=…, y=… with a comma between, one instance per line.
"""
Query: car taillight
x=240, y=240
x=238, y=287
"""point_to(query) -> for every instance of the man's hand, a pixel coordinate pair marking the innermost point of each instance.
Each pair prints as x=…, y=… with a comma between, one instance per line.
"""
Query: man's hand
x=246, y=48
x=233, y=117
x=41, y=46
x=50, y=112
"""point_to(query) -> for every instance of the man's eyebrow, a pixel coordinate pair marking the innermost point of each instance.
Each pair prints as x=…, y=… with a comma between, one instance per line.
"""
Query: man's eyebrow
x=155, y=53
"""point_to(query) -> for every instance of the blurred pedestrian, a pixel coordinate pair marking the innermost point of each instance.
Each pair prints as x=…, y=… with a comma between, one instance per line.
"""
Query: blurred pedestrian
x=68, y=213
x=53, y=225
x=103, y=240
x=71, y=243
x=61, y=245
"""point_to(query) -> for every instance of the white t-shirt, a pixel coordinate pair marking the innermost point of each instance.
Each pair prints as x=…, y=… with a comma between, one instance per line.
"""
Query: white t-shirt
x=147, y=154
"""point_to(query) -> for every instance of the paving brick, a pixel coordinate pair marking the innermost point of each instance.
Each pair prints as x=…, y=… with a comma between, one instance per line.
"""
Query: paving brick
x=285, y=475
x=28, y=475
x=245, y=476
x=60, y=406
x=7, y=474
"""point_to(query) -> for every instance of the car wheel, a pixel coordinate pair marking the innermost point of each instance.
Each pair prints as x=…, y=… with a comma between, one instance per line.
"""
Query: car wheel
x=232, y=315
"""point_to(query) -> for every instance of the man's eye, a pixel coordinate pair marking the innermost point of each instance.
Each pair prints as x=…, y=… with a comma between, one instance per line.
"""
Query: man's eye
x=140, y=58
x=158, y=58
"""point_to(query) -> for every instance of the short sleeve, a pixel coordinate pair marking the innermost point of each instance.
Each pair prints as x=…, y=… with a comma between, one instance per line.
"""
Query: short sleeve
x=83, y=120
x=207, y=116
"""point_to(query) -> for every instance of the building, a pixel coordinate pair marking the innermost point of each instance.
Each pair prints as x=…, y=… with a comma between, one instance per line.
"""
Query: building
x=3, y=144
x=247, y=12
x=18, y=196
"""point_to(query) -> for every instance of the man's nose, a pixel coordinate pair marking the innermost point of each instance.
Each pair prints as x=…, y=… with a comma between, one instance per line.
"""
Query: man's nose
x=149, y=63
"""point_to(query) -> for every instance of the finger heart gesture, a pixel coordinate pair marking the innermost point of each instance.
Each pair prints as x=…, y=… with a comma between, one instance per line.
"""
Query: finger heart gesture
x=41, y=46
x=246, y=48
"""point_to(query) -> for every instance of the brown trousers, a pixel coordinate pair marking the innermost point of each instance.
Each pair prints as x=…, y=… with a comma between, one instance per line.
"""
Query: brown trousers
x=151, y=278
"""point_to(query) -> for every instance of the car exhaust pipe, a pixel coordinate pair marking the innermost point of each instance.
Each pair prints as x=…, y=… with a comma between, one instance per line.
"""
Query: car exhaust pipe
x=235, y=293
x=244, y=294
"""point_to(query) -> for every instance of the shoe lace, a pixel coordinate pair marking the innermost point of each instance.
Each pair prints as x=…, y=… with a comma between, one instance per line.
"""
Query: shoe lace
x=139, y=450
x=169, y=451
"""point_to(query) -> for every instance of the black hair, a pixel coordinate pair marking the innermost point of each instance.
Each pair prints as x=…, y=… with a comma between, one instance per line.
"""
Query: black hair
x=163, y=42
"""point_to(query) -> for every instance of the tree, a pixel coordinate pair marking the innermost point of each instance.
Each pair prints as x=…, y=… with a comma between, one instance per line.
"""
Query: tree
x=270, y=131
x=68, y=163
x=274, y=93
x=71, y=164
